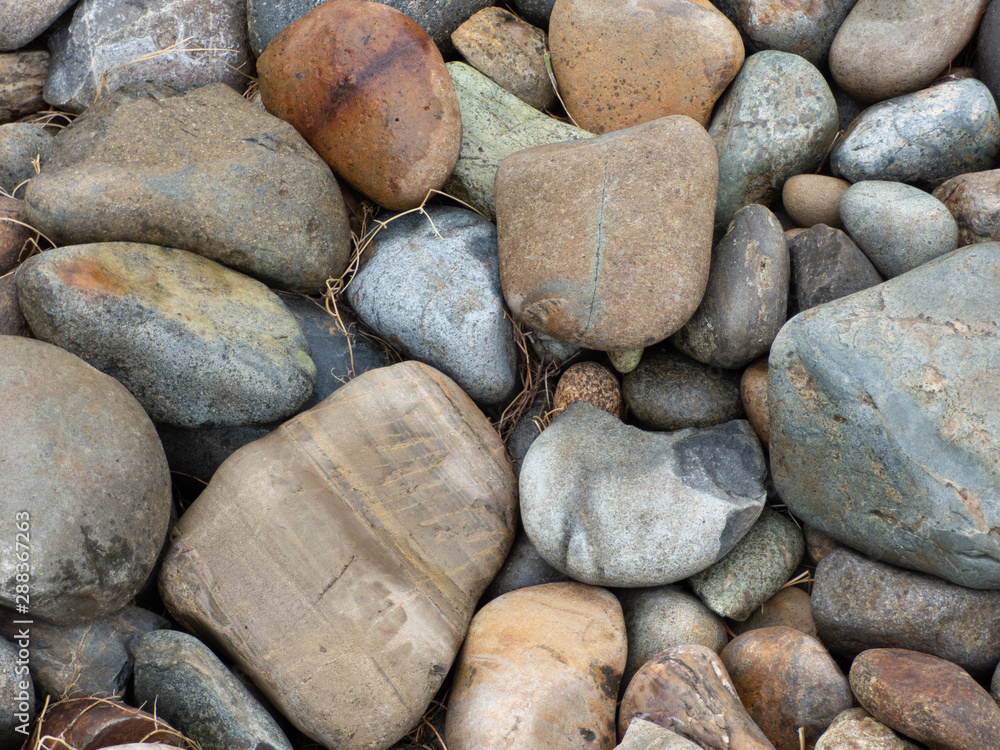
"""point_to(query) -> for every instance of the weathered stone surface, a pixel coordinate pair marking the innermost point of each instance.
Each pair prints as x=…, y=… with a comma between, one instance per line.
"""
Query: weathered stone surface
x=431, y=287
x=886, y=48
x=610, y=504
x=899, y=227
x=790, y=607
x=884, y=422
x=523, y=567
x=17, y=693
x=812, y=199
x=14, y=235
x=23, y=22
x=22, y=145
x=110, y=45
x=602, y=261
x=368, y=89
x=12, y=322
x=204, y=171
x=777, y=120
x=82, y=565
x=624, y=63
x=826, y=266
x=859, y=603
x=925, y=137
x=974, y=200
x=645, y=735
x=926, y=698
x=746, y=300
x=995, y=685
x=373, y=521
x=855, y=729
x=22, y=76
x=590, y=382
x=753, y=395
x=539, y=668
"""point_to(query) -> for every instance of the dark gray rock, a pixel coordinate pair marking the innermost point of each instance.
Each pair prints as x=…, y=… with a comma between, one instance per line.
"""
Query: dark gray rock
x=826, y=266
x=974, y=200
x=885, y=423
x=17, y=691
x=988, y=49
x=523, y=567
x=431, y=287
x=204, y=171
x=549, y=350
x=21, y=144
x=528, y=427
x=194, y=692
x=198, y=452
x=671, y=391
x=82, y=460
x=23, y=22
x=12, y=322
x=924, y=137
x=746, y=300
x=536, y=12
x=609, y=504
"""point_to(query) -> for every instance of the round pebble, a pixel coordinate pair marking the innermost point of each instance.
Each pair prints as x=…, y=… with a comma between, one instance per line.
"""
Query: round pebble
x=590, y=382
x=812, y=199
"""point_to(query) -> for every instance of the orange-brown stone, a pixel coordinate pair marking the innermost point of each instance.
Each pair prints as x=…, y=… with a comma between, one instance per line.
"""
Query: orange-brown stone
x=590, y=382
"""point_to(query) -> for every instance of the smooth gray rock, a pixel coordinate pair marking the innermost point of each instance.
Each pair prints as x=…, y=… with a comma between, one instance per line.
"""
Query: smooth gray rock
x=17, y=692
x=21, y=144
x=431, y=287
x=527, y=429
x=195, y=343
x=523, y=567
x=110, y=44
x=645, y=735
x=609, y=504
x=899, y=227
x=923, y=137
x=777, y=119
x=885, y=422
x=204, y=171
x=746, y=300
x=98, y=503
x=826, y=266
x=194, y=692
x=23, y=21
x=974, y=200
x=856, y=729
x=536, y=12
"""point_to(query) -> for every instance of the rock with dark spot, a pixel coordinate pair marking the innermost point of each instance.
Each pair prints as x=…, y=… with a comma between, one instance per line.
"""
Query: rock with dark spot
x=855, y=729
x=826, y=266
x=22, y=146
x=17, y=692
x=974, y=200
x=523, y=567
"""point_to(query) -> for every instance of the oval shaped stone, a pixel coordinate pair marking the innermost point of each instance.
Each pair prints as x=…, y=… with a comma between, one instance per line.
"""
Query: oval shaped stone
x=590, y=382
x=974, y=200
x=790, y=607
x=812, y=199
x=753, y=394
x=827, y=265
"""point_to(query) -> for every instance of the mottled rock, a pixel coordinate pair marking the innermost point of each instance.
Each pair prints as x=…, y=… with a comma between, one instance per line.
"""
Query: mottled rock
x=610, y=504
x=12, y=322
x=17, y=692
x=539, y=668
x=204, y=171
x=974, y=200
x=368, y=89
x=753, y=395
x=590, y=382
x=523, y=567
x=884, y=419
x=855, y=729
x=826, y=266
x=645, y=735
x=591, y=240
x=82, y=566
x=14, y=235
x=23, y=22
x=812, y=199
x=625, y=360
x=22, y=147
x=790, y=607
x=22, y=76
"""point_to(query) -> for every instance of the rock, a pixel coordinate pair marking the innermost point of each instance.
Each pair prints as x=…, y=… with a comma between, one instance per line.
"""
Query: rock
x=812, y=199
x=669, y=391
x=539, y=668
x=523, y=567
x=663, y=617
x=995, y=685
x=368, y=89
x=818, y=544
x=528, y=427
x=411, y=483
x=926, y=698
x=786, y=680
x=83, y=565
x=987, y=59
x=753, y=396
x=17, y=692
x=549, y=350
x=826, y=266
x=590, y=382
x=754, y=570
x=431, y=287
x=790, y=607
x=110, y=45
x=884, y=396
x=23, y=23
x=509, y=51
x=612, y=505
x=22, y=146
x=620, y=64
x=974, y=200
x=198, y=696
x=899, y=227
x=591, y=240
x=747, y=296
x=495, y=124
x=687, y=690
x=777, y=120
x=12, y=323
x=859, y=603
x=535, y=11
x=626, y=360
x=14, y=235
x=645, y=735
x=194, y=169
x=884, y=48
x=855, y=729
x=195, y=343
x=22, y=76
x=925, y=137
x=86, y=722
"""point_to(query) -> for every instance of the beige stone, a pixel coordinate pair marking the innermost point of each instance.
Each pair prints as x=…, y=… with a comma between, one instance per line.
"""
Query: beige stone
x=790, y=607
x=22, y=76
x=753, y=394
x=812, y=199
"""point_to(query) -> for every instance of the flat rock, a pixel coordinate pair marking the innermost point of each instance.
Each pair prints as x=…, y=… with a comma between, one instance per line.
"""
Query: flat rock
x=790, y=607
x=82, y=565
x=14, y=235
x=17, y=691
x=24, y=22
x=430, y=286
x=109, y=45
x=925, y=137
x=645, y=735
x=22, y=145
x=625, y=63
x=194, y=169
x=22, y=77
x=855, y=729
x=194, y=342
x=888, y=395
x=974, y=200
x=571, y=259
x=368, y=89
x=523, y=567
x=812, y=199
x=827, y=265
x=539, y=668
x=610, y=504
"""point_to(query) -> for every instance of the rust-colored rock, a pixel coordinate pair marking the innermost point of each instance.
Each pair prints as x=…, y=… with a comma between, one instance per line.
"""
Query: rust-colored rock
x=14, y=236
x=539, y=669
x=590, y=382
x=790, y=607
x=926, y=698
x=974, y=201
x=753, y=394
x=624, y=62
x=367, y=87
x=787, y=680
x=93, y=723
x=812, y=199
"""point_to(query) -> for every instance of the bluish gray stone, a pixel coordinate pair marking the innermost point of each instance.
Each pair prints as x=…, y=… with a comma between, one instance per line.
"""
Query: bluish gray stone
x=431, y=286
x=23, y=22
x=826, y=266
x=776, y=120
x=923, y=137
x=612, y=505
x=898, y=226
x=21, y=144
x=885, y=425
x=527, y=429
x=17, y=694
